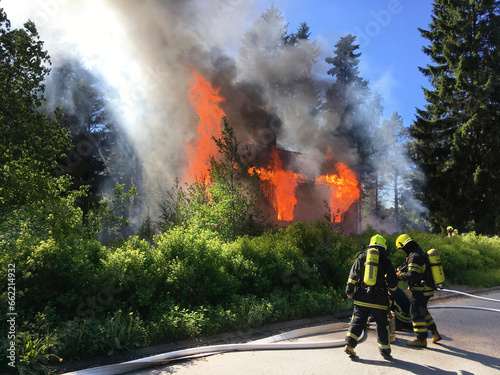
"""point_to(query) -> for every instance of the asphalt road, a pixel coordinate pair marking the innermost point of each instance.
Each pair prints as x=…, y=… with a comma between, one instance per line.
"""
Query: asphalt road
x=470, y=345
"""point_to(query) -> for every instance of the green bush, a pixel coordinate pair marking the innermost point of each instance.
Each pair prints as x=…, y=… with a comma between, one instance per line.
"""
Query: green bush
x=328, y=253
x=127, y=276
x=195, y=267
x=49, y=273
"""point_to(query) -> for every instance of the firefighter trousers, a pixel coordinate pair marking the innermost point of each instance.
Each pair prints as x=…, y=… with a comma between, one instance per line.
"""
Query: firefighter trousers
x=421, y=318
x=358, y=323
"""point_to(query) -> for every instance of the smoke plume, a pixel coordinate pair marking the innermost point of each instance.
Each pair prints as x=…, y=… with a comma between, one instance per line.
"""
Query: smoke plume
x=147, y=51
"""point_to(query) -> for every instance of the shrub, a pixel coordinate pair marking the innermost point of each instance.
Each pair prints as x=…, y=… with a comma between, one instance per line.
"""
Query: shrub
x=195, y=267
x=127, y=276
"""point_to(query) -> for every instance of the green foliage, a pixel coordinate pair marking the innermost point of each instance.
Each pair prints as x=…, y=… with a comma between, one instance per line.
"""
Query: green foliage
x=225, y=202
x=173, y=208
x=121, y=331
x=35, y=352
x=468, y=259
x=147, y=229
x=454, y=135
x=192, y=265
x=127, y=271
x=234, y=193
x=108, y=219
x=349, y=99
x=181, y=323
x=30, y=143
x=77, y=338
x=35, y=347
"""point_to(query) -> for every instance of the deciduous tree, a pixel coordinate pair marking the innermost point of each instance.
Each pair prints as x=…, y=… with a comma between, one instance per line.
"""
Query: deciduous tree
x=30, y=143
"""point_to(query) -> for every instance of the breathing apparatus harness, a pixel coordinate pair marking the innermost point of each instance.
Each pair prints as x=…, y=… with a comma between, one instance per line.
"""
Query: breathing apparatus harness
x=433, y=274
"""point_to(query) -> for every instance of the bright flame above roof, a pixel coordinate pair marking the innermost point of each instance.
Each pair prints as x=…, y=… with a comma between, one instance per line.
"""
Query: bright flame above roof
x=205, y=100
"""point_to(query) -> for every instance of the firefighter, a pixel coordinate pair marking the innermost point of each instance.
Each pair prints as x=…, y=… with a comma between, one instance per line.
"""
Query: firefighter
x=450, y=232
x=417, y=272
x=368, y=283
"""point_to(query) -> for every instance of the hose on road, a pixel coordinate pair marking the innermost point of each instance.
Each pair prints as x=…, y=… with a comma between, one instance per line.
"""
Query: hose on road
x=470, y=295
x=270, y=343
x=466, y=307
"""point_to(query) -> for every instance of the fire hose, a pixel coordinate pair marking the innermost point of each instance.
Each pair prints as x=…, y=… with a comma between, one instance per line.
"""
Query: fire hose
x=270, y=343
x=466, y=307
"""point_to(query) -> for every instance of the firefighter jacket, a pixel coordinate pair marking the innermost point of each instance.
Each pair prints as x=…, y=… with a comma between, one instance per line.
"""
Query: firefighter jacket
x=417, y=270
x=375, y=296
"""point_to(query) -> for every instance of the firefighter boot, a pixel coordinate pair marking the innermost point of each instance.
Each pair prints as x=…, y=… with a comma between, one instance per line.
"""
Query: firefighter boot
x=350, y=351
x=417, y=343
x=436, y=336
x=386, y=353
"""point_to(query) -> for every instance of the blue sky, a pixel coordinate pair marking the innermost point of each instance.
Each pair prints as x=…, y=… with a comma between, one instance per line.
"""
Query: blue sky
x=390, y=43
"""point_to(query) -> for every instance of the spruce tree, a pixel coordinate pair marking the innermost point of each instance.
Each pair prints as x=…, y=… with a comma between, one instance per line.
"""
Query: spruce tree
x=456, y=134
x=351, y=112
x=350, y=100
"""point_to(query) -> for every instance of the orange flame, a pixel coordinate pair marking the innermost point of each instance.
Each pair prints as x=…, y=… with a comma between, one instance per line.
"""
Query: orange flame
x=284, y=183
x=205, y=100
x=344, y=190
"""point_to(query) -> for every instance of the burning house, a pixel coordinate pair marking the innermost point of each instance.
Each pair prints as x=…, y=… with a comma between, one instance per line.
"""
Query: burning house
x=289, y=195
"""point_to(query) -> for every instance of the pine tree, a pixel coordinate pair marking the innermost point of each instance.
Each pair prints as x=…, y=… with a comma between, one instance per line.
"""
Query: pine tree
x=456, y=134
x=351, y=102
x=394, y=159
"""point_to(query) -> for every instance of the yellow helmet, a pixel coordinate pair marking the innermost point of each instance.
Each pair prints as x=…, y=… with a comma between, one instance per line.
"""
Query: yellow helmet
x=449, y=229
x=402, y=240
x=378, y=240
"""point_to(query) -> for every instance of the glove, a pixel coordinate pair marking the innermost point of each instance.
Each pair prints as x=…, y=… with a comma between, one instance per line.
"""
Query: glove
x=390, y=314
x=391, y=298
x=399, y=274
x=348, y=291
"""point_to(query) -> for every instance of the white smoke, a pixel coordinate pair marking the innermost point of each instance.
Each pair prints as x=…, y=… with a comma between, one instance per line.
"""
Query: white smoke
x=146, y=51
